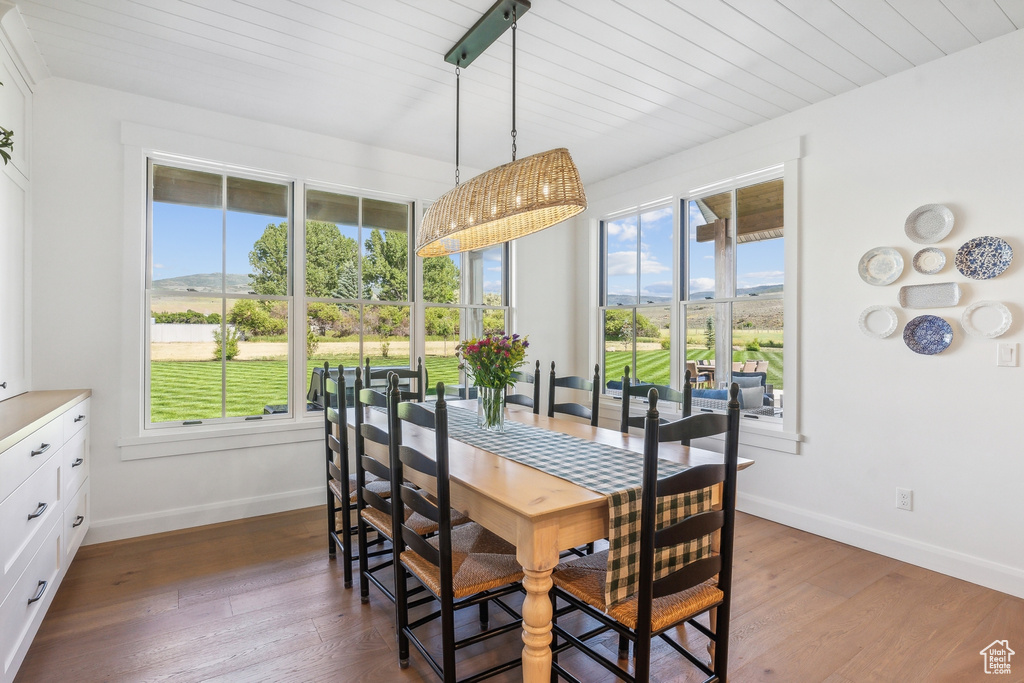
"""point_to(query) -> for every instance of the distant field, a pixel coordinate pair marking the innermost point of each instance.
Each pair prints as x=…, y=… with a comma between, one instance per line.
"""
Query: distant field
x=653, y=366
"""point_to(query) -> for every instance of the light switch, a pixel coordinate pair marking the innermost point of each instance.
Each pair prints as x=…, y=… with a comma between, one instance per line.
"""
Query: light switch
x=1006, y=354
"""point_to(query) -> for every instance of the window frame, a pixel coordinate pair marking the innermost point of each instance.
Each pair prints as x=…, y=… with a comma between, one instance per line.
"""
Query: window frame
x=225, y=171
x=782, y=160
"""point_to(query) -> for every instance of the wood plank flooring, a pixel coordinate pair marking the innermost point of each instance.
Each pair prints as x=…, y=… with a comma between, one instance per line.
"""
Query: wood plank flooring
x=258, y=600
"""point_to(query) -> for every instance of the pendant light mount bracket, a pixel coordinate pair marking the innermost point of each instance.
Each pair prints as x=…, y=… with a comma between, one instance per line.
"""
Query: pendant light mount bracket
x=485, y=31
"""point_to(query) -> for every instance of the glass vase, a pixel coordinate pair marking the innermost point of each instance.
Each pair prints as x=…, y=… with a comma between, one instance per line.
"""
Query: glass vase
x=490, y=409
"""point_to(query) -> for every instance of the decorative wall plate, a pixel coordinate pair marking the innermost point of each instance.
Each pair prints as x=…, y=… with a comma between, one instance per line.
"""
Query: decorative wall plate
x=928, y=224
x=929, y=260
x=986, y=319
x=937, y=295
x=878, y=321
x=983, y=258
x=928, y=335
x=880, y=266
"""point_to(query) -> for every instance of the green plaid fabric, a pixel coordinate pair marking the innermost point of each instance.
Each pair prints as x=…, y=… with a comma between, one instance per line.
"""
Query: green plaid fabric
x=611, y=471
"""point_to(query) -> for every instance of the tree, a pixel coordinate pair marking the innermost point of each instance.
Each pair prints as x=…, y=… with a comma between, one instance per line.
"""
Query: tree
x=442, y=322
x=330, y=260
x=232, y=344
x=250, y=316
x=323, y=316
x=709, y=334
x=386, y=266
x=440, y=280
x=387, y=322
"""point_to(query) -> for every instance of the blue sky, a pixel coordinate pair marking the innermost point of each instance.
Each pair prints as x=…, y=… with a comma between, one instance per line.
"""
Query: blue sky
x=758, y=263
x=187, y=240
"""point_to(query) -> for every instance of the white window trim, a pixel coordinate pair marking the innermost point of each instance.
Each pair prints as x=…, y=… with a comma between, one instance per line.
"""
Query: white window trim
x=784, y=436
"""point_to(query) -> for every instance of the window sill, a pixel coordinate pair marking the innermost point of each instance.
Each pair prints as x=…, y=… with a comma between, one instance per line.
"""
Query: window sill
x=766, y=434
x=189, y=441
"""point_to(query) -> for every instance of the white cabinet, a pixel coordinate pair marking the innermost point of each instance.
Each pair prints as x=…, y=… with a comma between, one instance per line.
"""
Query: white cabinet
x=44, y=509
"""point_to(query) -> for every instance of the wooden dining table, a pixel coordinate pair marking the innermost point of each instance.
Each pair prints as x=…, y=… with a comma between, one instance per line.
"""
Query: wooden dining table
x=539, y=513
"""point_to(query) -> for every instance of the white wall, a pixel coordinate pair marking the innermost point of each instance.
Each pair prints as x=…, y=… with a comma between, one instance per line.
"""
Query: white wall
x=88, y=311
x=874, y=415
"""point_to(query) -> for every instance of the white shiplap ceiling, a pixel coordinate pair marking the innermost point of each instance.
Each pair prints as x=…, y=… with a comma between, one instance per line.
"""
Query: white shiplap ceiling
x=619, y=82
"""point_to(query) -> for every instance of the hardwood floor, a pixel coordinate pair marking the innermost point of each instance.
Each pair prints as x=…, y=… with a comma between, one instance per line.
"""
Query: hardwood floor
x=258, y=600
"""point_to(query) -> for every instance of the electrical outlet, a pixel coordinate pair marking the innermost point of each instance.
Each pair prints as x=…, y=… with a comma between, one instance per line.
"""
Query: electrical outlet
x=904, y=499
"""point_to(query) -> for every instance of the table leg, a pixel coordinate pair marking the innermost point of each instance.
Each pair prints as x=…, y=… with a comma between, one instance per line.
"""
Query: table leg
x=537, y=552
x=537, y=626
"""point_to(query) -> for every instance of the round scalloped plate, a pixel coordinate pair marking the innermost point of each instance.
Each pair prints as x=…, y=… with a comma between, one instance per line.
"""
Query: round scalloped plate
x=929, y=261
x=878, y=322
x=987, y=319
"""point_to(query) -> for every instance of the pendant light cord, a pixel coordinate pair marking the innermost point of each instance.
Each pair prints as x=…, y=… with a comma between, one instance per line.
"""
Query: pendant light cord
x=458, y=79
x=513, y=82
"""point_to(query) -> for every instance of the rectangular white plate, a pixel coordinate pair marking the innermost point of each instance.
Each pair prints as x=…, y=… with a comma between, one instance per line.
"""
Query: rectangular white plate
x=935, y=295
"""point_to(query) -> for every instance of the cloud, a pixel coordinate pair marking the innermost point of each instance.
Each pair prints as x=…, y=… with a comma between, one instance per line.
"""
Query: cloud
x=624, y=263
x=158, y=265
x=658, y=214
x=658, y=288
x=702, y=284
x=622, y=231
x=621, y=263
x=766, y=274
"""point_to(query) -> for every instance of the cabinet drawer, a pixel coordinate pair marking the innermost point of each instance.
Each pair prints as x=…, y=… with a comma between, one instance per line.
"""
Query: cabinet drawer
x=75, y=418
x=75, y=457
x=25, y=518
x=19, y=461
x=23, y=610
x=76, y=521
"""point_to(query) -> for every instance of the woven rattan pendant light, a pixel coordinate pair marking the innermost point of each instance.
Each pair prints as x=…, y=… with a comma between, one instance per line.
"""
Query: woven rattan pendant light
x=509, y=201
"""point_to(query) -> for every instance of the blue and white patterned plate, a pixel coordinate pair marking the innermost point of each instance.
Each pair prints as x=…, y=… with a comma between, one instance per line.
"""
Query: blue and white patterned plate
x=983, y=258
x=928, y=335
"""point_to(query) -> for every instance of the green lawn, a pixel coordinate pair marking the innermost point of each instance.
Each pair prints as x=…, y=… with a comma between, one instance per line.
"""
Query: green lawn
x=191, y=390
x=653, y=366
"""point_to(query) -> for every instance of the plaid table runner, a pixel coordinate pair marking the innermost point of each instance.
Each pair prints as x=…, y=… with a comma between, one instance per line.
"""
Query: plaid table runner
x=608, y=470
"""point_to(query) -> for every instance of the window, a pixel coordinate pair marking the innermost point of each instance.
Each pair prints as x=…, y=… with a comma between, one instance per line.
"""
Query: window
x=728, y=302
x=357, y=280
x=466, y=296
x=218, y=253
x=223, y=281
x=638, y=296
x=732, y=308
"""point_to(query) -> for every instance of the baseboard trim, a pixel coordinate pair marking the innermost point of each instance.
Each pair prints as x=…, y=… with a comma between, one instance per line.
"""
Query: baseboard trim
x=992, y=575
x=130, y=526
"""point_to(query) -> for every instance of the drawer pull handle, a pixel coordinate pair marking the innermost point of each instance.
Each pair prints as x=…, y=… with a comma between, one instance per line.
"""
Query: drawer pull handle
x=77, y=462
x=43, y=447
x=79, y=418
x=78, y=521
x=39, y=511
x=39, y=593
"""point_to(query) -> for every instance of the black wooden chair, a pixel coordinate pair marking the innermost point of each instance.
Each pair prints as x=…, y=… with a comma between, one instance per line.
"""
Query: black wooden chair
x=523, y=399
x=415, y=379
x=341, y=486
x=664, y=602
x=461, y=566
x=684, y=398
x=572, y=382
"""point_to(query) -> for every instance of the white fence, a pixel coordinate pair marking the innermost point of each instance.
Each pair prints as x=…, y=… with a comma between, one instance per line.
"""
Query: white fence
x=182, y=332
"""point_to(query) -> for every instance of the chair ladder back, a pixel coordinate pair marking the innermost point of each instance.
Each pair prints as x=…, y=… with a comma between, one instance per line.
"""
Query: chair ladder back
x=367, y=463
x=419, y=375
x=690, y=575
x=694, y=427
x=701, y=570
x=578, y=383
x=405, y=456
x=336, y=451
x=522, y=399
x=689, y=529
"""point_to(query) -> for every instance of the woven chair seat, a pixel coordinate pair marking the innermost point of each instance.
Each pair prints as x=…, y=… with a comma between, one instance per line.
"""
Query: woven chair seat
x=381, y=521
x=480, y=561
x=379, y=486
x=585, y=577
